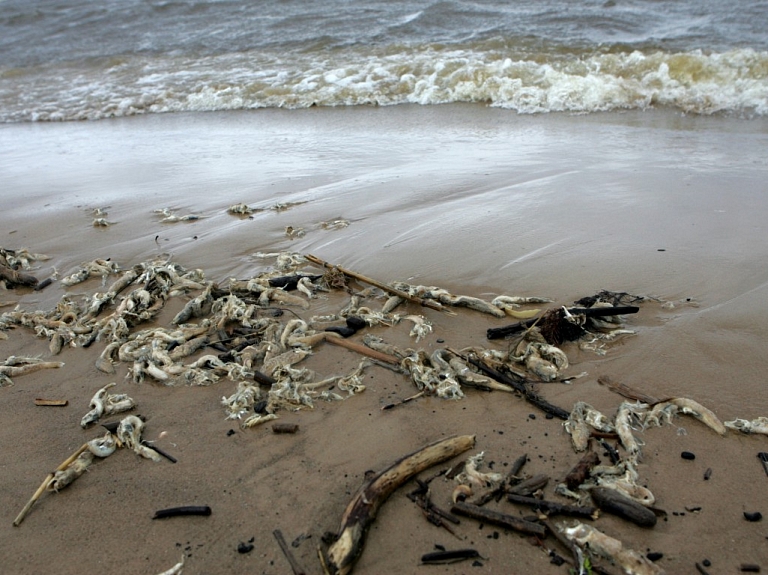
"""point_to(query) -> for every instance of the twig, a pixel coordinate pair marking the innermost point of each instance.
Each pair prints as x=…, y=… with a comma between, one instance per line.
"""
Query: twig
x=402, y=401
x=361, y=349
x=44, y=484
x=497, y=518
x=295, y=567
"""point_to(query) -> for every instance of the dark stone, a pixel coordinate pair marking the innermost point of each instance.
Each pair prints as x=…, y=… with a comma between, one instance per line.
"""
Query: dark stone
x=356, y=323
x=755, y=516
x=231, y=432
x=688, y=455
x=654, y=555
x=244, y=547
x=343, y=331
x=707, y=563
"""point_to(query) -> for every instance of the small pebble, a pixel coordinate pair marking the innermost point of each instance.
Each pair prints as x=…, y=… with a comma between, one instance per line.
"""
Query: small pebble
x=687, y=455
x=441, y=340
x=707, y=474
x=244, y=547
x=654, y=555
x=707, y=563
x=756, y=516
x=476, y=564
x=531, y=416
x=231, y=432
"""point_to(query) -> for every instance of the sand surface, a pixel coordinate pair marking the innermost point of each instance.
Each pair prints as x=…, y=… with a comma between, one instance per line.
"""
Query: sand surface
x=478, y=201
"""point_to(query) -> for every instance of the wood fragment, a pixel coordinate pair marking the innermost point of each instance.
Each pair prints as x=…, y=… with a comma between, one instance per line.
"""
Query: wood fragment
x=51, y=402
x=552, y=507
x=361, y=349
x=763, y=456
x=285, y=428
x=580, y=473
x=498, y=518
x=530, y=485
x=530, y=396
x=44, y=485
x=389, y=289
x=362, y=510
x=295, y=567
x=402, y=401
x=14, y=278
x=442, y=557
x=185, y=510
x=626, y=391
x=612, y=501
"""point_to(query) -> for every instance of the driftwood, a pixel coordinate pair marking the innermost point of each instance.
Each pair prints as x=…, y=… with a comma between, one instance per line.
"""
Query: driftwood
x=183, y=511
x=362, y=510
x=44, y=484
x=626, y=391
x=611, y=501
x=530, y=396
x=510, y=479
x=13, y=278
x=552, y=507
x=580, y=473
x=439, y=557
x=361, y=349
x=502, y=332
x=530, y=485
x=385, y=287
x=295, y=567
x=497, y=518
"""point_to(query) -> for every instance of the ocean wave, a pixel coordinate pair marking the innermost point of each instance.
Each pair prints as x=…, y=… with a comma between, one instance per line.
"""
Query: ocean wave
x=525, y=79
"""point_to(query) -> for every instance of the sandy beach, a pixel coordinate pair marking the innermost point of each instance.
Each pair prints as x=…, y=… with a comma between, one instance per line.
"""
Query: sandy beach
x=479, y=201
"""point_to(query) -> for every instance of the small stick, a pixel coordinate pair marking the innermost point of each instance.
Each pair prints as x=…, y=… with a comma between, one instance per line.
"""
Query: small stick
x=168, y=456
x=51, y=402
x=437, y=557
x=203, y=510
x=502, y=519
x=625, y=391
x=46, y=481
x=285, y=428
x=552, y=507
x=763, y=456
x=295, y=567
x=402, y=401
x=361, y=349
x=385, y=287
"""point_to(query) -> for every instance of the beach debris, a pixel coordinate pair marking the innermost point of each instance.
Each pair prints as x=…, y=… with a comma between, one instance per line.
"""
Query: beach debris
x=47, y=482
x=753, y=516
x=293, y=232
x=552, y=507
x=176, y=569
x=169, y=217
x=583, y=417
x=497, y=518
x=129, y=433
x=337, y=224
x=51, y=402
x=593, y=541
x=103, y=403
x=615, y=502
x=581, y=471
x=183, y=511
x=763, y=457
x=295, y=566
x=281, y=428
x=448, y=556
x=101, y=223
x=240, y=209
x=15, y=366
x=362, y=509
x=757, y=425
x=97, y=267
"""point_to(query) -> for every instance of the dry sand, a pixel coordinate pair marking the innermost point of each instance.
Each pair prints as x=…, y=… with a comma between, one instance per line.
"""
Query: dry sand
x=478, y=201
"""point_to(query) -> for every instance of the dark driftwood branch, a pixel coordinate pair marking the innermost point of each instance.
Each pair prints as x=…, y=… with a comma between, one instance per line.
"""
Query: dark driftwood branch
x=530, y=396
x=14, y=278
x=203, y=510
x=362, y=510
x=497, y=518
x=611, y=501
x=530, y=485
x=295, y=567
x=552, y=507
x=502, y=332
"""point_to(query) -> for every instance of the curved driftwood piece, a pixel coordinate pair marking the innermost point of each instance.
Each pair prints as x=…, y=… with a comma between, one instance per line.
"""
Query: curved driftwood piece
x=362, y=510
x=502, y=332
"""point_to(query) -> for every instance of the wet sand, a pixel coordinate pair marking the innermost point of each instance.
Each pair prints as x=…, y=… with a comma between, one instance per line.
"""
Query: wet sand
x=478, y=201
